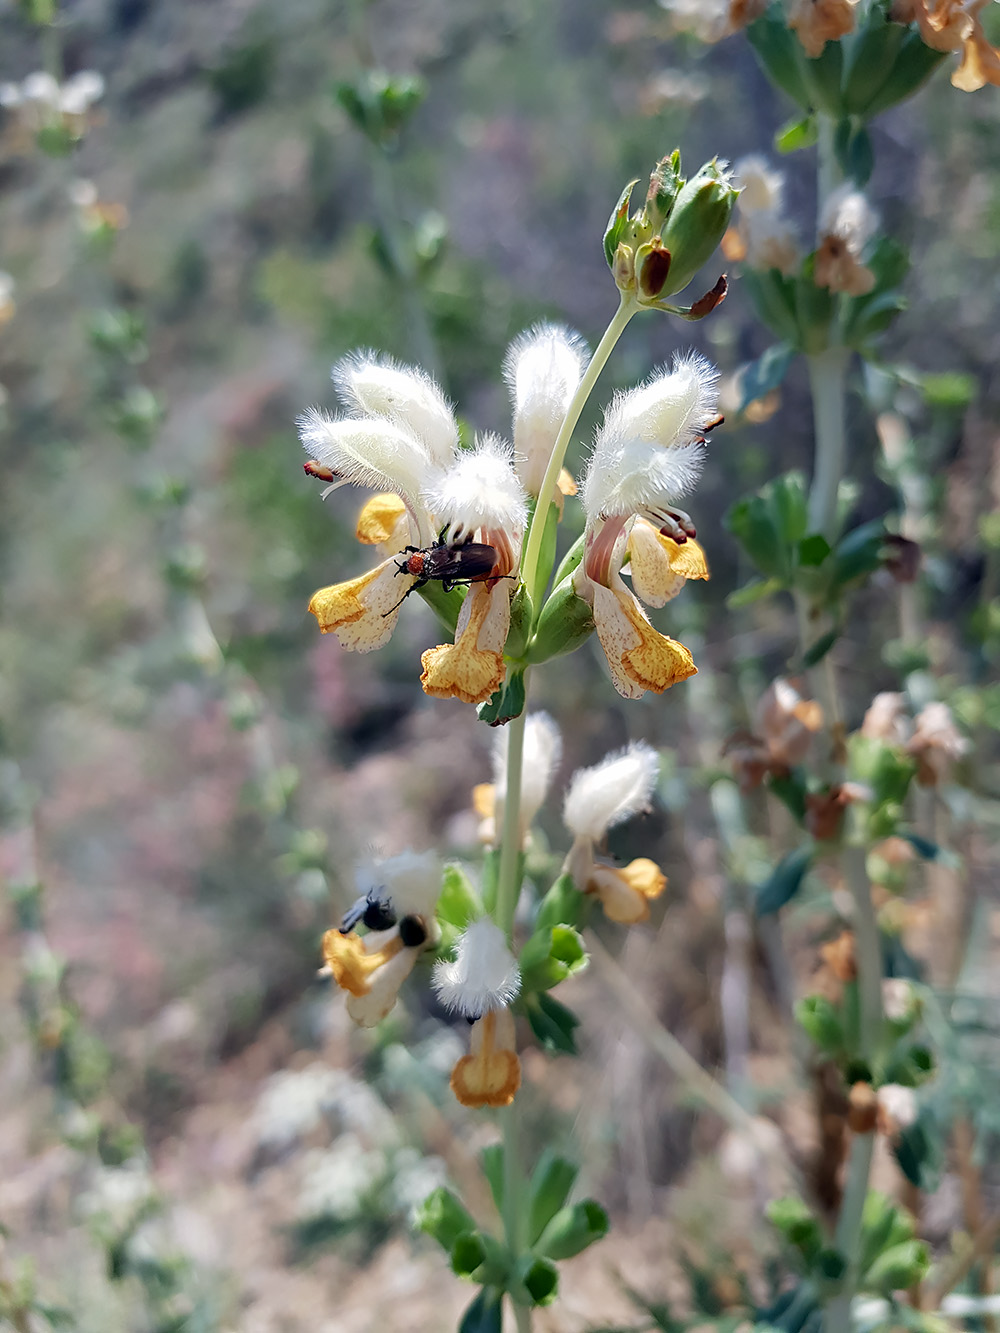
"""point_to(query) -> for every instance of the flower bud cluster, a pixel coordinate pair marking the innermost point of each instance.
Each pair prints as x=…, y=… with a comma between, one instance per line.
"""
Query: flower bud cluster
x=657, y=251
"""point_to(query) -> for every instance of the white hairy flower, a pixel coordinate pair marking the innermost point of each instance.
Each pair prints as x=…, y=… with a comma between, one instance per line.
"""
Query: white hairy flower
x=543, y=368
x=849, y=216
x=898, y=998
x=410, y=881
x=40, y=87
x=761, y=186
x=542, y=752
x=479, y=492
x=649, y=450
x=484, y=976
x=78, y=94
x=368, y=451
x=897, y=1107
x=611, y=792
x=406, y=396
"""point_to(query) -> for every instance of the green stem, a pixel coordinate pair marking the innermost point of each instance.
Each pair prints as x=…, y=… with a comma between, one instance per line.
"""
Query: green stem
x=848, y=1234
x=509, y=876
x=533, y=544
x=827, y=379
x=827, y=376
x=513, y=1213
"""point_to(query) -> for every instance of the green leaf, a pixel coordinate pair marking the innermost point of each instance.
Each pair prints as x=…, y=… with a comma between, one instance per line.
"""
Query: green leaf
x=539, y=1278
x=552, y=1023
x=563, y=905
x=485, y=1314
x=444, y=1217
x=507, y=703
x=930, y=851
x=467, y=1254
x=458, y=903
x=790, y=789
x=821, y=1022
x=550, y=956
x=818, y=649
x=770, y=525
x=570, y=561
x=573, y=1228
x=551, y=1182
x=797, y=134
x=853, y=148
x=823, y=77
x=491, y=1160
x=794, y=1220
x=784, y=881
x=760, y=377
x=754, y=591
x=546, y=555
x=813, y=550
x=912, y=1151
x=858, y=553
x=773, y=297
x=780, y=54
x=899, y=1267
x=617, y=222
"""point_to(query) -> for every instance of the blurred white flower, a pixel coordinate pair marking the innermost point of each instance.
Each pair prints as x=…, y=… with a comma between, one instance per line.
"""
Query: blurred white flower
x=599, y=798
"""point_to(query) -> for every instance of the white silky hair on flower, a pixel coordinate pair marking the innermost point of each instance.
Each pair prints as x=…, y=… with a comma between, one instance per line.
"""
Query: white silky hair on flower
x=411, y=881
x=479, y=491
x=543, y=368
x=542, y=752
x=641, y=477
x=849, y=216
x=376, y=385
x=484, y=975
x=762, y=186
x=647, y=442
x=612, y=791
x=370, y=451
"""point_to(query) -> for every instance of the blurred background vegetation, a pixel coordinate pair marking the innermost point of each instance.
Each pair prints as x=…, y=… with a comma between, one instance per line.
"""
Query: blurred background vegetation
x=190, y=772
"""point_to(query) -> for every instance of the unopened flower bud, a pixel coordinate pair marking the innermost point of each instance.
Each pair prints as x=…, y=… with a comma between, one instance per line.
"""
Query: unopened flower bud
x=565, y=623
x=697, y=223
x=665, y=185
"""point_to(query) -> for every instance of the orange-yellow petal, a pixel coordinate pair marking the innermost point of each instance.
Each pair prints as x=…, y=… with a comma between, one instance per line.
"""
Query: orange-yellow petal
x=625, y=893
x=659, y=566
x=491, y=1074
x=362, y=612
x=484, y=799
x=980, y=63
x=686, y=558
x=639, y=656
x=351, y=963
x=471, y=668
x=369, y=1009
x=566, y=483
x=379, y=518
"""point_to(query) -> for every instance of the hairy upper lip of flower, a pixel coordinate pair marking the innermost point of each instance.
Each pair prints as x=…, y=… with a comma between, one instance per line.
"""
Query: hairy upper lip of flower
x=405, y=443
x=648, y=452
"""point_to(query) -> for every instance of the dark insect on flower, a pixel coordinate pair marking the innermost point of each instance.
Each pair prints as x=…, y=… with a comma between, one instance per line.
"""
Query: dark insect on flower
x=374, y=912
x=468, y=562
x=412, y=932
